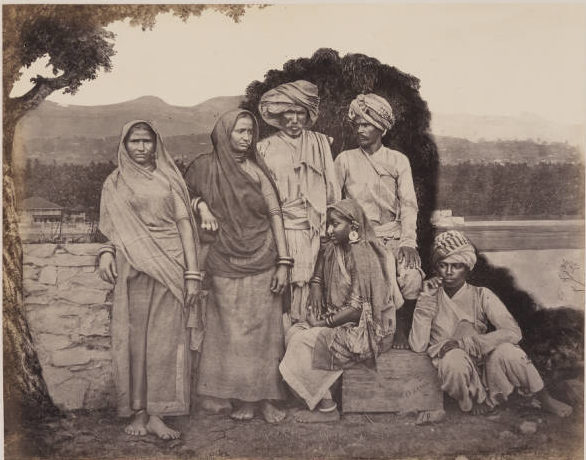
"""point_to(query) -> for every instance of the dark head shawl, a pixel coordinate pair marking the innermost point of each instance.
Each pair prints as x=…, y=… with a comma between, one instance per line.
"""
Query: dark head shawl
x=237, y=202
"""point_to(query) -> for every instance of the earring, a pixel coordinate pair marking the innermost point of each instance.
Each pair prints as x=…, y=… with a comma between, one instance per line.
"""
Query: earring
x=353, y=236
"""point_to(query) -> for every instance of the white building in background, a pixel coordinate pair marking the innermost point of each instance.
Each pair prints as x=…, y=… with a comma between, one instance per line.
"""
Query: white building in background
x=42, y=221
x=37, y=210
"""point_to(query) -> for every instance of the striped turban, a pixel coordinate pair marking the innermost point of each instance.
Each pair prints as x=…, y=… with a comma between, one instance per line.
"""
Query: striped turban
x=453, y=247
x=280, y=99
x=374, y=109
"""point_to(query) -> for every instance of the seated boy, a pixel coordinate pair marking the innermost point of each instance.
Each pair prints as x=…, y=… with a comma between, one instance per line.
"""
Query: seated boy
x=471, y=336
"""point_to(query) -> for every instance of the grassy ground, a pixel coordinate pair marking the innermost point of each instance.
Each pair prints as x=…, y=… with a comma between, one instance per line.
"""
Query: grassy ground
x=99, y=434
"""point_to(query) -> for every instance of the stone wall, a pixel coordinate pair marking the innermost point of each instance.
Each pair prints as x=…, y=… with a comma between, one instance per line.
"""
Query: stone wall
x=68, y=311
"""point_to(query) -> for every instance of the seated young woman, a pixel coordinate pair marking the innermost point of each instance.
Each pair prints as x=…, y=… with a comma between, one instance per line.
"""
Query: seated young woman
x=351, y=313
x=471, y=336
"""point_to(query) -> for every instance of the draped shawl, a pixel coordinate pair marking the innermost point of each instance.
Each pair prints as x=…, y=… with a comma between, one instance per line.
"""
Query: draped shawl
x=143, y=244
x=245, y=244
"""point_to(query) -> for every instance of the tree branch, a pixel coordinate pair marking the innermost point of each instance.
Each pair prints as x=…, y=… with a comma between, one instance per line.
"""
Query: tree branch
x=43, y=87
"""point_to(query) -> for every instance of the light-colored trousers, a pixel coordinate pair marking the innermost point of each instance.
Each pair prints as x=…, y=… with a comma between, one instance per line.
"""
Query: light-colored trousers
x=410, y=280
x=507, y=367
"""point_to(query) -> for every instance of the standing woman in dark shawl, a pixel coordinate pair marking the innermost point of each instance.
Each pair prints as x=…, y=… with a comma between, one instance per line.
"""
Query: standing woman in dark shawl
x=248, y=264
x=152, y=258
x=354, y=313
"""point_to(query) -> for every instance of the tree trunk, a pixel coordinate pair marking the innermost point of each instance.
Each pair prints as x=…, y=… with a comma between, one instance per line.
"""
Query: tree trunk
x=26, y=398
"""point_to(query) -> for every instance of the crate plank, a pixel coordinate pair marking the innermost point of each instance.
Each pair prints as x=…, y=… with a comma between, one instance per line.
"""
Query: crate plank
x=404, y=382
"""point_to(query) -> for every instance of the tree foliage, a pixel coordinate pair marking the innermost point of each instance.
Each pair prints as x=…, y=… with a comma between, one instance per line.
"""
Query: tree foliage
x=493, y=191
x=499, y=190
x=339, y=80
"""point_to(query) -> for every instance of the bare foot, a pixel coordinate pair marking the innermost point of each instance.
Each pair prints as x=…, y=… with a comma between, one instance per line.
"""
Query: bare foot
x=401, y=342
x=215, y=405
x=315, y=416
x=430, y=416
x=138, y=425
x=404, y=321
x=158, y=427
x=270, y=413
x=482, y=409
x=244, y=412
x=553, y=405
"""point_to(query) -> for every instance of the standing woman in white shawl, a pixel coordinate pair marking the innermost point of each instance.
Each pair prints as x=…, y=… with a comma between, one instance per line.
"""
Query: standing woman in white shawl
x=151, y=257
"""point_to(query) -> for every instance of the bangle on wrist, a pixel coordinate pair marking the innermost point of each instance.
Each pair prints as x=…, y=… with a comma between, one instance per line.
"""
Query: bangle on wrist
x=104, y=249
x=330, y=320
x=316, y=280
x=289, y=261
x=192, y=275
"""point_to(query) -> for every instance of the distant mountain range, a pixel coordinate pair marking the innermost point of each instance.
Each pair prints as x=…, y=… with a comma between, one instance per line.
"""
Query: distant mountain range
x=81, y=134
x=51, y=120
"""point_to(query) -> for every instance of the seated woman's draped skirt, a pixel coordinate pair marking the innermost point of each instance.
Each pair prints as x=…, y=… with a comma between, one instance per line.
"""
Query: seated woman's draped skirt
x=243, y=342
x=309, y=383
x=150, y=345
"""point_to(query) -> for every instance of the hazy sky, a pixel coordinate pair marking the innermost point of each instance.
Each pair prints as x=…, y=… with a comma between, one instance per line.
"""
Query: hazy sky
x=495, y=59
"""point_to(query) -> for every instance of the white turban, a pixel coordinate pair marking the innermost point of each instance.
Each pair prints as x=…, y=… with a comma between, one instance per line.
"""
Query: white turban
x=453, y=247
x=374, y=109
x=280, y=99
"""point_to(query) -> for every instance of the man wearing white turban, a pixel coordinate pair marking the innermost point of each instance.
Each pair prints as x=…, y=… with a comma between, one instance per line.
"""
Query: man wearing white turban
x=300, y=163
x=452, y=320
x=380, y=180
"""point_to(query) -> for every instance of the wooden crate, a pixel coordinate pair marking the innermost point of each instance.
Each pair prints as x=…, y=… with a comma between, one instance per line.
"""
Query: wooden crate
x=404, y=382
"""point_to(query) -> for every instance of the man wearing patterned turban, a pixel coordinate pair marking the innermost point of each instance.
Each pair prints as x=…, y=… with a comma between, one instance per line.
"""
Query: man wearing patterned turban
x=300, y=163
x=471, y=336
x=380, y=180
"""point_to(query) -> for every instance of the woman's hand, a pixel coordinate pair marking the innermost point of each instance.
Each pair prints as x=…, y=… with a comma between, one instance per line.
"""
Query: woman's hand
x=448, y=346
x=107, y=268
x=313, y=321
x=279, y=280
x=192, y=289
x=315, y=299
x=208, y=220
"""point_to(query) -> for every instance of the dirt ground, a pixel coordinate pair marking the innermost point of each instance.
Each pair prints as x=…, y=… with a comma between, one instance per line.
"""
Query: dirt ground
x=99, y=434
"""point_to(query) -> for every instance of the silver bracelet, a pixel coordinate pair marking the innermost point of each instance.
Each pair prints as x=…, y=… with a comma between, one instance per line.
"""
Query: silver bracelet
x=104, y=249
